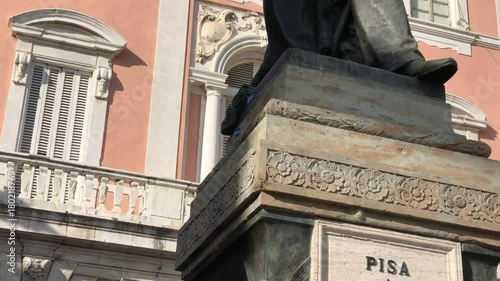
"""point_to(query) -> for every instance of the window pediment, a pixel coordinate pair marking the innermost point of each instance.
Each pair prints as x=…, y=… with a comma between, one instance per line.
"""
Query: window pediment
x=67, y=27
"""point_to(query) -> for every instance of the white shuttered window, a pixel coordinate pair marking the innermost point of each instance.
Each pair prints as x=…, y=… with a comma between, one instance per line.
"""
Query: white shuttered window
x=55, y=113
x=437, y=11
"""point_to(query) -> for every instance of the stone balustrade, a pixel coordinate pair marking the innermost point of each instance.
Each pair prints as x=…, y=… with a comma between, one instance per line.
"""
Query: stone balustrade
x=94, y=191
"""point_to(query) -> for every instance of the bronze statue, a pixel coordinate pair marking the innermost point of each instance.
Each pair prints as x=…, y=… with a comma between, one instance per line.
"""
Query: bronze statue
x=371, y=32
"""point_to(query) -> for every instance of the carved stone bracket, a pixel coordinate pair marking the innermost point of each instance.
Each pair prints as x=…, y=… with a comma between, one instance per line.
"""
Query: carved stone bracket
x=216, y=27
x=103, y=78
x=23, y=60
x=35, y=269
x=413, y=193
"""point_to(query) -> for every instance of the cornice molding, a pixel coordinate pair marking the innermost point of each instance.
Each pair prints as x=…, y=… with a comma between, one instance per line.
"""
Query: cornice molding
x=206, y=78
x=449, y=37
x=106, y=39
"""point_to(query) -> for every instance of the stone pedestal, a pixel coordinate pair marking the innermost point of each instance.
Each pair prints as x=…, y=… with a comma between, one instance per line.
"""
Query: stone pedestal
x=344, y=172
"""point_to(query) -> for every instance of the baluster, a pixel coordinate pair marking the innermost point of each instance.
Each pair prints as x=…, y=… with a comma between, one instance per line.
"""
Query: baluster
x=26, y=181
x=73, y=184
x=188, y=199
x=42, y=178
x=88, y=187
x=103, y=191
x=57, y=185
x=133, y=194
x=144, y=200
x=118, y=195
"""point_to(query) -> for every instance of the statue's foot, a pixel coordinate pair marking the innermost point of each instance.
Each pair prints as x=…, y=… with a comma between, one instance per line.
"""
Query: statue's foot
x=435, y=71
x=235, y=110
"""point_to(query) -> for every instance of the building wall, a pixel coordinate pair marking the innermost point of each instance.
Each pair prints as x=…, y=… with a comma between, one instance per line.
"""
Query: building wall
x=475, y=81
x=130, y=88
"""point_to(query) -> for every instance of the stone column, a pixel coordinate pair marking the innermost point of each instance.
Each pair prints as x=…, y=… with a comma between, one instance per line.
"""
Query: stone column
x=211, y=130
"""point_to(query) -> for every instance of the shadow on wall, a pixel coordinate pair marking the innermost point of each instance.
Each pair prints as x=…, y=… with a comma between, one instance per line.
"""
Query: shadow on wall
x=126, y=59
x=135, y=95
x=489, y=133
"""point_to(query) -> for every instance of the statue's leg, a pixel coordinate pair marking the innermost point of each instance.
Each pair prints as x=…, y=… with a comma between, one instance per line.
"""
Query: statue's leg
x=289, y=24
x=387, y=42
x=384, y=33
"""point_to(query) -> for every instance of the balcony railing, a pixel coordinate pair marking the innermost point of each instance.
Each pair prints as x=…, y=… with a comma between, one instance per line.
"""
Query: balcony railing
x=98, y=192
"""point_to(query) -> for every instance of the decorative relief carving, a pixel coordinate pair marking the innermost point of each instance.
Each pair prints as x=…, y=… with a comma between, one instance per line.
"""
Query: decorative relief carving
x=327, y=176
x=103, y=78
x=35, y=269
x=23, y=61
x=216, y=27
x=225, y=197
x=342, y=121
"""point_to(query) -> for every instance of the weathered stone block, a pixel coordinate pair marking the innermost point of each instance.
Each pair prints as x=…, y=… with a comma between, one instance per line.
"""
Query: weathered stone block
x=333, y=141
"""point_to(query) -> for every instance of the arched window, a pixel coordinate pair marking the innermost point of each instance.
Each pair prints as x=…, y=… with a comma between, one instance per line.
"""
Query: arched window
x=58, y=95
x=467, y=119
x=238, y=75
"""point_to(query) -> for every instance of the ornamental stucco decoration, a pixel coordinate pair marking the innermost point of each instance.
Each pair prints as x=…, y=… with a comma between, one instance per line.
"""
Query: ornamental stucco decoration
x=103, y=78
x=35, y=269
x=414, y=193
x=223, y=200
x=23, y=60
x=216, y=27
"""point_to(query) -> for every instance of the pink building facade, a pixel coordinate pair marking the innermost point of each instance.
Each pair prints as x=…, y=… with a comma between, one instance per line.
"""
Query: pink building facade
x=110, y=114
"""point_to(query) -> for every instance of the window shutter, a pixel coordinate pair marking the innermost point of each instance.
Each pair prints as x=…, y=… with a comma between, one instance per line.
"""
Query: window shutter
x=55, y=113
x=31, y=109
x=64, y=115
x=48, y=113
x=79, y=121
x=440, y=11
x=433, y=10
x=240, y=75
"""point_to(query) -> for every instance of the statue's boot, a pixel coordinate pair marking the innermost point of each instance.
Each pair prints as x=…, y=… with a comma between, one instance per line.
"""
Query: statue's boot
x=387, y=42
x=435, y=71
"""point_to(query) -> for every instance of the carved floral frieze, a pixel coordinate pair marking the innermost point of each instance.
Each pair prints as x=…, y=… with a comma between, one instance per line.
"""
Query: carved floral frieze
x=223, y=200
x=414, y=193
x=216, y=27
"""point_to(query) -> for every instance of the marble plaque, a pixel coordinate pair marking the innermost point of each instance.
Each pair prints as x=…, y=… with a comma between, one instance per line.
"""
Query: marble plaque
x=343, y=252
